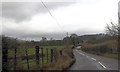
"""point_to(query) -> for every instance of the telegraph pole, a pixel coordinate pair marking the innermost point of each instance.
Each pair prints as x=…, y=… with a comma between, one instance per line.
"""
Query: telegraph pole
x=67, y=40
x=67, y=34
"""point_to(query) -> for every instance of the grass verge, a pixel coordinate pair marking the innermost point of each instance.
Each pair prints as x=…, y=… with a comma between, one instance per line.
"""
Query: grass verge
x=107, y=49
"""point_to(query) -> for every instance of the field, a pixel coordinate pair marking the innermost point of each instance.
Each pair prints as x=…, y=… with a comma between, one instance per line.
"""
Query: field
x=31, y=50
x=22, y=63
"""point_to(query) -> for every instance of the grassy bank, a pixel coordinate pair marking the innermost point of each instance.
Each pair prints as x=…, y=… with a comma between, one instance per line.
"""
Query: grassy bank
x=107, y=49
x=111, y=55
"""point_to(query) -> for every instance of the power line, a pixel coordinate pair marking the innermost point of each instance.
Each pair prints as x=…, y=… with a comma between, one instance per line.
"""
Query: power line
x=52, y=16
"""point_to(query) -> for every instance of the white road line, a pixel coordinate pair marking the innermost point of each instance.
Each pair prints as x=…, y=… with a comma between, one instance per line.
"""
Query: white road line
x=87, y=56
x=80, y=52
x=76, y=50
x=101, y=64
x=93, y=59
x=83, y=54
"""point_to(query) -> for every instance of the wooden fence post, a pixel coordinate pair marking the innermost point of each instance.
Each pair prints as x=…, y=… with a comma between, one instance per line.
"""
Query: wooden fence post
x=51, y=55
x=42, y=55
x=55, y=54
x=27, y=58
x=47, y=54
x=15, y=51
x=4, y=55
x=37, y=54
x=61, y=52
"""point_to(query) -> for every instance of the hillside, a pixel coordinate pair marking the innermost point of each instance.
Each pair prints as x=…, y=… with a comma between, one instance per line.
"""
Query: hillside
x=97, y=38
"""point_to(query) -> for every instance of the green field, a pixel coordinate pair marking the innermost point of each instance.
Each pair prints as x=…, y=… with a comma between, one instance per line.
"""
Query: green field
x=31, y=51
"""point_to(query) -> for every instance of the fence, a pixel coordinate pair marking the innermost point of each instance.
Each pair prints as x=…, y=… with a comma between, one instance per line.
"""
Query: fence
x=41, y=56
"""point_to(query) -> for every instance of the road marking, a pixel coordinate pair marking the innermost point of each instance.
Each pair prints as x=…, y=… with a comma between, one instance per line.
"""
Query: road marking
x=93, y=59
x=101, y=64
x=87, y=56
x=80, y=52
x=77, y=50
x=83, y=54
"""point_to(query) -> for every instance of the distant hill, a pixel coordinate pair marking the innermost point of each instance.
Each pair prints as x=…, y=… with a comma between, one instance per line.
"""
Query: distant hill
x=96, y=38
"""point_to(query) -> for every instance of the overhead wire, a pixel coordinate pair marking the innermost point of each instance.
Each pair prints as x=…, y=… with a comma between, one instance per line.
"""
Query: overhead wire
x=53, y=16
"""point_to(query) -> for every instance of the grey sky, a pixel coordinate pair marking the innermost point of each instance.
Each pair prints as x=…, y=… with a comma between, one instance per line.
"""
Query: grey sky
x=30, y=20
x=20, y=11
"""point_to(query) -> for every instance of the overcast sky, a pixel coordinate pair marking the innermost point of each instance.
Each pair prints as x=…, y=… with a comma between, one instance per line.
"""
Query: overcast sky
x=31, y=20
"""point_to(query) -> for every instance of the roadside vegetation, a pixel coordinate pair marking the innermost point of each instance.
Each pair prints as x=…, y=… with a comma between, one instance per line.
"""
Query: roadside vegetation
x=61, y=63
x=103, y=44
x=108, y=48
x=100, y=44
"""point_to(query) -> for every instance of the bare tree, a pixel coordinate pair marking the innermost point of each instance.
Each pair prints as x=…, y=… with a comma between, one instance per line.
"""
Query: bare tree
x=112, y=29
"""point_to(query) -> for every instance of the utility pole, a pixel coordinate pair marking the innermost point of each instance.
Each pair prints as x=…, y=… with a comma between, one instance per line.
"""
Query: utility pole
x=67, y=40
x=67, y=34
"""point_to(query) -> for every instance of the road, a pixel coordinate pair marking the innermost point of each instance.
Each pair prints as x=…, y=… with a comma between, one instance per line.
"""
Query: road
x=86, y=61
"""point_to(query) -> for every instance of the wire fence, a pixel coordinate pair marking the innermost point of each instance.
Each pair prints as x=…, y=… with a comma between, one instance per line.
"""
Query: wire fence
x=23, y=58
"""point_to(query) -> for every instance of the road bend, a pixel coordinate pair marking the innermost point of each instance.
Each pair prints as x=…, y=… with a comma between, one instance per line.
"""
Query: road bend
x=86, y=61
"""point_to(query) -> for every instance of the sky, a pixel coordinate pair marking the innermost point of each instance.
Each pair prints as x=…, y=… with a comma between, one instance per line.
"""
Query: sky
x=30, y=20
